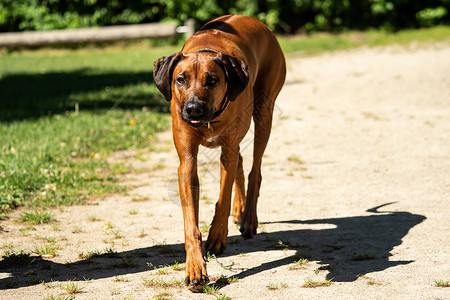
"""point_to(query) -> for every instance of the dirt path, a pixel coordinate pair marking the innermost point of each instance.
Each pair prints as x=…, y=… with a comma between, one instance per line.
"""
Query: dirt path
x=356, y=180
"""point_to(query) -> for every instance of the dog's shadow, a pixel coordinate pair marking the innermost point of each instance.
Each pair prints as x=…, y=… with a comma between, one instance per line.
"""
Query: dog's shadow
x=353, y=247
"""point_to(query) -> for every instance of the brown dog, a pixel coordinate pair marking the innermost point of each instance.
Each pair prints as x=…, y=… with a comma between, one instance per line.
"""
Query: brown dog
x=230, y=70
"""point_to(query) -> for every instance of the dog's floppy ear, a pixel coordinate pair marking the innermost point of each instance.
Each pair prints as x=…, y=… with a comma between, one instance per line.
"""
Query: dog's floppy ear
x=236, y=72
x=163, y=71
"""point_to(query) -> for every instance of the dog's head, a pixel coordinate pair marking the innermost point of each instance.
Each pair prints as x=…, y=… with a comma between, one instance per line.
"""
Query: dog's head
x=200, y=81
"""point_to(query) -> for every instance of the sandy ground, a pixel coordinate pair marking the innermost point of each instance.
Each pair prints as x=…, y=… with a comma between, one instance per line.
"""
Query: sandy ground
x=356, y=179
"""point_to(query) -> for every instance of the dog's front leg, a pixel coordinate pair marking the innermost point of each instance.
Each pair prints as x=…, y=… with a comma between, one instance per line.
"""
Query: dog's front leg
x=195, y=276
x=217, y=238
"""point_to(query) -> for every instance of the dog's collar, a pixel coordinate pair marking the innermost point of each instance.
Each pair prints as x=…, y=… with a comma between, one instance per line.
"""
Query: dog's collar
x=207, y=50
x=222, y=109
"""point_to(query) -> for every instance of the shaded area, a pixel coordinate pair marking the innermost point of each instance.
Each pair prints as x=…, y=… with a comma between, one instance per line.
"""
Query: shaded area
x=29, y=95
x=376, y=234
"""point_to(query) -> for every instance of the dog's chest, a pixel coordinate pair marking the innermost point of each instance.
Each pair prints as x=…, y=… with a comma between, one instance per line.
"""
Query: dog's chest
x=211, y=141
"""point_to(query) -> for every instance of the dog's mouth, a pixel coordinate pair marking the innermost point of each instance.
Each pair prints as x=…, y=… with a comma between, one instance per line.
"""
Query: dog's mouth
x=196, y=123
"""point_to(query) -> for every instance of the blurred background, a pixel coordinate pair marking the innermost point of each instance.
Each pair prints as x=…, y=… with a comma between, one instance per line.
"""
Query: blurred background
x=283, y=16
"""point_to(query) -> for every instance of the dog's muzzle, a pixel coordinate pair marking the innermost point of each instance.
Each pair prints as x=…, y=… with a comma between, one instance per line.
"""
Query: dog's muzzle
x=195, y=113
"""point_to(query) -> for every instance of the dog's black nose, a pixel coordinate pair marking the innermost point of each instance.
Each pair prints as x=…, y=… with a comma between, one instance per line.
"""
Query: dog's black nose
x=194, y=109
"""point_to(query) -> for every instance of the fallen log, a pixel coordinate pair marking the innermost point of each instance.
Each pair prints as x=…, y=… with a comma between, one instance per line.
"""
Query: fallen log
x=86, y=35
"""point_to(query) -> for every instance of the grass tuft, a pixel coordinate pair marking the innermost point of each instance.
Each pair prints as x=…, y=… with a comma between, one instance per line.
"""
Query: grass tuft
x=72, y=287
x=89, y=254
x=299, y=264
x=120, y=278
x=36, y=217
x=165, y=295
x=442, y=283
x=227, y=280
x=176, y=266
x=309, y=283
x=210, y=289
x=205, y=228
x=47, y=250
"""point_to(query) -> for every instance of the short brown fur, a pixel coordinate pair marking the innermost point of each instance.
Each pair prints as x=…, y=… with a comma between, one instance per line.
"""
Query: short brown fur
x=235, y=59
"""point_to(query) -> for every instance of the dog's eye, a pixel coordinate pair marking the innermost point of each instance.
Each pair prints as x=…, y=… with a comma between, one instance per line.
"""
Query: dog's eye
x=212, y=81
x=181, y=80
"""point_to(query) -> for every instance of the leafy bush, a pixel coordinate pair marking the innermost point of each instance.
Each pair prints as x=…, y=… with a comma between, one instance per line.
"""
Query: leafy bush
x=287, y=16
x=431, y=16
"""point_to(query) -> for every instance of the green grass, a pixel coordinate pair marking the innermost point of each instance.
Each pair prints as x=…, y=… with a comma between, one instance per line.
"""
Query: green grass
x=205, y=228
x=442, y=283
x=47, y=250
x=56, y=80
x=299, y=264
x=120, y=278
x=210, y=289
x=321, y=42
x=165, y=295
x=63, y=111
x=36, y=217
x=72, y=287
x=60, y=160
x=309, y=283
x=89, y=254
x=176, y=266
x=227, y=280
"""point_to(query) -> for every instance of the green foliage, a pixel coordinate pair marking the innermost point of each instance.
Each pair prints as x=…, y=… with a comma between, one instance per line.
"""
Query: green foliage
x=431, y=16
x=59, y=14
x=287, y=16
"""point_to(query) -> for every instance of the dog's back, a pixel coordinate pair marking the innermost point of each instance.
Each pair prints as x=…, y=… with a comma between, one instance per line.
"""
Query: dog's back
x=244, y=37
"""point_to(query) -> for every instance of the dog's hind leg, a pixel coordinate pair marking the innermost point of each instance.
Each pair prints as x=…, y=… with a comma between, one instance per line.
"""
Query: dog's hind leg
x=239, y=193
x=217, y=237
x=262, y=117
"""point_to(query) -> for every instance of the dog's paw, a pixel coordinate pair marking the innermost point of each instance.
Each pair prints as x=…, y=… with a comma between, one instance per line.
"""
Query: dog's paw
x=217, y=240
x=237, y=217
x=248, y=229
x=196, y=285
x=195, y=277
x=249, y=224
